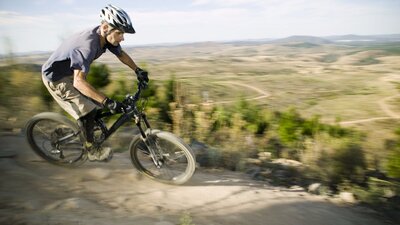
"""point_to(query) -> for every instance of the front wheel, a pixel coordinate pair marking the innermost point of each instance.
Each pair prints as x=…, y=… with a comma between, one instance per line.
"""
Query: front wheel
x=56, y=139
x=164, y=157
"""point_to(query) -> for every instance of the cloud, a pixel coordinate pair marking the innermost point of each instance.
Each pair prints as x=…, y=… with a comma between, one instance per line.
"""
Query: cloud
x=303, y=8
x=173, y=18
x=68, y=2
x=238, y=19
x=181, y=26
x=46, y=2
x=210, y=20
x=8, y=18
x=230, y=3
x=41, y=32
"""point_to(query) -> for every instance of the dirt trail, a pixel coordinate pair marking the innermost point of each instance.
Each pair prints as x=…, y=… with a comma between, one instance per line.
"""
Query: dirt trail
x=35, y=192
x=382, y=103
x=263, y=94
x=385, y=108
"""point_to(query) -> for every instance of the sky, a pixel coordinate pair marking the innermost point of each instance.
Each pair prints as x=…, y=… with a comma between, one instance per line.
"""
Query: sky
x=41, y=25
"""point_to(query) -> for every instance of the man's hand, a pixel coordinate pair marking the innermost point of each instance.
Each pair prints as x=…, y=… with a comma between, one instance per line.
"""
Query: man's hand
x=113, y=106
x=142, y=75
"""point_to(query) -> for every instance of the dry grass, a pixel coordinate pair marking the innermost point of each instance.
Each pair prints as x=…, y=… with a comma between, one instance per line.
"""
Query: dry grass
x=336, y=82
x=333, y=81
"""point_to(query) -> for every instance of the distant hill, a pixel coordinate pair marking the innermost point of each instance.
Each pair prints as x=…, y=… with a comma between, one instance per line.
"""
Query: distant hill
x=365, y=38
x=302, y=39
x=292, y=41
x=311, y=41
x=249, y=41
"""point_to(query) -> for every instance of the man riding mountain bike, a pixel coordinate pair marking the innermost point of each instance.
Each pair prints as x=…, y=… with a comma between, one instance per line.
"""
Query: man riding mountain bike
x=64, y=73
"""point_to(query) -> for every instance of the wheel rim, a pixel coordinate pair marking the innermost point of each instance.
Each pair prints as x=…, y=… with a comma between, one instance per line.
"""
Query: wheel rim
x=57, y=141
x=175, y=165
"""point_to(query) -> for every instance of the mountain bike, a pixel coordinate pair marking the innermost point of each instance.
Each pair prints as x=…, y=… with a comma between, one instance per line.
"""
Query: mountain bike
x=157, y=154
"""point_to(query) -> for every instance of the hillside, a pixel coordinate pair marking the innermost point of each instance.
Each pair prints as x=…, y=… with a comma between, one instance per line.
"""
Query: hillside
x=301, y=71
x=319, y=102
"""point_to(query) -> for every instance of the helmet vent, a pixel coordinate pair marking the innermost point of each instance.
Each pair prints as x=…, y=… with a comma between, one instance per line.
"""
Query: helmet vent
x=119, y=19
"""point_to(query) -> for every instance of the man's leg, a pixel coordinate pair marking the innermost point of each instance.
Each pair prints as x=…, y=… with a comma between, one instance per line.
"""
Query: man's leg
x=69, y=98
x=87, y=125
x=82, y=109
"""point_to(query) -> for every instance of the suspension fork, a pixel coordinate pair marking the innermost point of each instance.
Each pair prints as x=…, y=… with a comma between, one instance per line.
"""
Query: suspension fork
x=149, y=140
x=138, y=122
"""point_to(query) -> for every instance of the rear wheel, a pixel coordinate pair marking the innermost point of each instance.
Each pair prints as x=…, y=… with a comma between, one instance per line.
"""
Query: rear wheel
x=56, y=139
x=173, y=161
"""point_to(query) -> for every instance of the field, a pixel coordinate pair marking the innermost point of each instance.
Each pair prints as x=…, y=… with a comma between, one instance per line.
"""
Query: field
x=356, y=85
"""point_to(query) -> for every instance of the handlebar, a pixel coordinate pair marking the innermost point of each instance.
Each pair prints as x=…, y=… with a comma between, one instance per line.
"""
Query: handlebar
x=130, y=100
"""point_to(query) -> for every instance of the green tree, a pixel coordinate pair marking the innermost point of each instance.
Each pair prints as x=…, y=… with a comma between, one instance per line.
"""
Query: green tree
x=393, y=164
x=311, y=127
x=165, y=98
x=98, y=75
x=253, y=115
x=121, y=91
x=221, y=118
x=289, y=126
x=393, y=160
x=4, y=88
x=45, y=94
x=170, y=89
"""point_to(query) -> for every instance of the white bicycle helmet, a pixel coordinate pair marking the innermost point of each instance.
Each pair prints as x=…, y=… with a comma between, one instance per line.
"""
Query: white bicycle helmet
x=117, y=18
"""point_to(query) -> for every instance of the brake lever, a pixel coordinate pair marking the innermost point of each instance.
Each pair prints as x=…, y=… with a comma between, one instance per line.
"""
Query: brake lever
x=143, y=84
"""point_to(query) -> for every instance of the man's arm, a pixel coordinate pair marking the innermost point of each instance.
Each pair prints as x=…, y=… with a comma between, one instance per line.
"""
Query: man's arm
x=127, y=60
x=142, y=75
x=85, y=88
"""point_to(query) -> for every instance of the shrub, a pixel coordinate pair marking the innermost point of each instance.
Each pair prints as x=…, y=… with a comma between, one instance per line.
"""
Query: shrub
x=393, y=164
x=275, y=146
x=349, y=163
x=339, y=162
x=221, y=118
x=289, y=127
x=210, y=157
x=98, y=75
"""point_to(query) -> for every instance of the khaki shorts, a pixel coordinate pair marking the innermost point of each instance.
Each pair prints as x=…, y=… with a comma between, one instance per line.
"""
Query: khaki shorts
x=70, y=99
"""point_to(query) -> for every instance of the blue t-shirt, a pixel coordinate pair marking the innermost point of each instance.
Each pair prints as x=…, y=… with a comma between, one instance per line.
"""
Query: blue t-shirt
x=77, y=52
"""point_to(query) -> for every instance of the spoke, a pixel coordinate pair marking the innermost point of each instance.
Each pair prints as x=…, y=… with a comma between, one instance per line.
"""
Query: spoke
x=175, y=164
x=48, y=136
x=169, y=173
x=178, y=155
x=56, y=140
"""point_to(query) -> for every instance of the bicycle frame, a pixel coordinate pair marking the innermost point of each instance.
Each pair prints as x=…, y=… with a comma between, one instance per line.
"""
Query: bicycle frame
x=132, y=112
x=124, y=118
